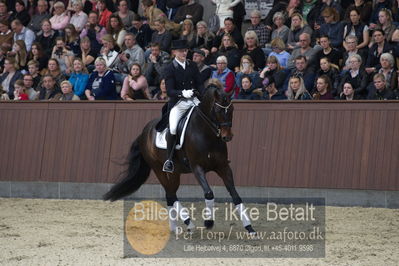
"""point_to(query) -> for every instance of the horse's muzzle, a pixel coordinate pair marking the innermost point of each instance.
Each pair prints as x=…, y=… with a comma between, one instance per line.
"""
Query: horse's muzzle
x=226, y=134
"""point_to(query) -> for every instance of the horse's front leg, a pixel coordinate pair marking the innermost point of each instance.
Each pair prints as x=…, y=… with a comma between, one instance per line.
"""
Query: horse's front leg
x=227, y=176
x=209, y=198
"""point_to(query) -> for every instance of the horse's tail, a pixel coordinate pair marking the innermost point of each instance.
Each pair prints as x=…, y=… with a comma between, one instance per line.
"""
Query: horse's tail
x=131, y=179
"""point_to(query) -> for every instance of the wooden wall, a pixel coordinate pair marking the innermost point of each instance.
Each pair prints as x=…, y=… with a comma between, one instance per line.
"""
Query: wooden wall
x=276, y=144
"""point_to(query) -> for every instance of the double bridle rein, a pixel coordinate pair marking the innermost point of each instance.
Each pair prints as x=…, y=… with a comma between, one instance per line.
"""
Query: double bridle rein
x=214, y=125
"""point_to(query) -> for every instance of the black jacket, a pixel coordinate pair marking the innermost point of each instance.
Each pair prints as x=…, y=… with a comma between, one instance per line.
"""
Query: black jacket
x=178, y=79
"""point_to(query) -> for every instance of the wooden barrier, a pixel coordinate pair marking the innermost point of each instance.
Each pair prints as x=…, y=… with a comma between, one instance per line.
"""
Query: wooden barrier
x=276, y=144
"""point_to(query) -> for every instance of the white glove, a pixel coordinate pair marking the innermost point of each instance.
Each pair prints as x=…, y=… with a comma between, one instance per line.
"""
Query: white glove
x=187, y=93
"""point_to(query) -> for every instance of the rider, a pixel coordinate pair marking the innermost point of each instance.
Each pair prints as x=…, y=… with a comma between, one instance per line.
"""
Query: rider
x=182, y=79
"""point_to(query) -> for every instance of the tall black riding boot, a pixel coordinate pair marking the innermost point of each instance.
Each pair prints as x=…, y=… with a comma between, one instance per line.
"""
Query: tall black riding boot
x=168, y=165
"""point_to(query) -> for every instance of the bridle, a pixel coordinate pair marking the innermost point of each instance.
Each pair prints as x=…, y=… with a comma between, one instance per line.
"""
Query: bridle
x=215, y=125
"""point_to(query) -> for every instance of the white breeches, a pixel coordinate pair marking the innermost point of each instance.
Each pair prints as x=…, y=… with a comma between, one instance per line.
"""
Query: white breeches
x=178, y=110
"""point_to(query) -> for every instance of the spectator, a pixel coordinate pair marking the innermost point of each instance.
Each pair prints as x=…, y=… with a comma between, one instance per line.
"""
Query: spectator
x=103, y=13
x=22, y=33
x=33, y=67
x=72, y=40
x=288, y=8
x=355, y=76
x=46, y=37
x=63, y=55
x=378, y=6
x=204, y=38
x=79, y=78
x=20, y=54
x=305, y=50
x=132, y=54
x=385, y=23
x=67, y=93
x=296, y=89
x=20, y=91
x=79, y=18
x=115, y=28
x=90, y=6
x=41, y=15
x=224, y=9
x=348, y=93
x=94, y=32
x=53, y=69
x=205, y=70
x=135, y=86
x=9, y=76
x=380, y=91
x=87, y=54
x=307, y=6
x=314, y=17
x=161, y=35
x=365, y=8
x=4, y=13
x=323, y=89
x=273, y=71
x=101, y=84
x=247, y=90
x=229, y=28
x=351, y=49
x=355, y=27
x=225, y=76
x=20, y=13
x=190, y=10
x=49, y=89
x=272, y=93
x=303, y=70
x=6, y=35
x=333, y=27
x=29, y=86
x=109, y=51
x=278, y=50
x=298, y=27
x=280, y=29
x=379, y=47
x=161, y=94
x=334, y=55
x=262, y=32
x=3, y=55
x=253, y=50
x=60, y=19
x=188, y=33
x=387, y=62
x=126, y=15
x=247, y=69
x=229, y=49
x=154, y=14
x=142, y=32
x=156, y=63
x=331, y=71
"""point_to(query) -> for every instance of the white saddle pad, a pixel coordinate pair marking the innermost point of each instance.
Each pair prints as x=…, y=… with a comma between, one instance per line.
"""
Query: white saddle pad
x=160, y=138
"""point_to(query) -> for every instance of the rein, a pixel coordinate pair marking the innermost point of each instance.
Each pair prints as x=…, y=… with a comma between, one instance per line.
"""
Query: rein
x=215, y=126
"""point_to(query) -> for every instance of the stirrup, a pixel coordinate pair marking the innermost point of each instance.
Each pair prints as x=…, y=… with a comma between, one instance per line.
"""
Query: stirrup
x=168, y=166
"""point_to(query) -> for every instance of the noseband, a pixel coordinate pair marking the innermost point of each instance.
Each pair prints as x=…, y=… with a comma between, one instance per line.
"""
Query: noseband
x=214, y=125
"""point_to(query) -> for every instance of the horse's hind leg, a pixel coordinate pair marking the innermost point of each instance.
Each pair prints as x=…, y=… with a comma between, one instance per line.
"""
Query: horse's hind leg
x=171, y=184
x=227, y=176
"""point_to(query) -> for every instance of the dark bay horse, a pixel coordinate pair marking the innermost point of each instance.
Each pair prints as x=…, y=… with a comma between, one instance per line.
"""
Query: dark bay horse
x=204, y=150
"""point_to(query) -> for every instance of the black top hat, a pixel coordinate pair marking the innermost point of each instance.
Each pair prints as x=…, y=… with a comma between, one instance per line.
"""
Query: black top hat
x=179, y=44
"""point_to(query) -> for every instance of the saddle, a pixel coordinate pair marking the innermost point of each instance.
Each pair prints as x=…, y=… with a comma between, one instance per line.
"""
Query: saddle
x=160, y=138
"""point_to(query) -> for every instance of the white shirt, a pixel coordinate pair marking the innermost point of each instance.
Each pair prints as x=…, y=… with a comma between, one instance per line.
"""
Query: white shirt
x=183, y=65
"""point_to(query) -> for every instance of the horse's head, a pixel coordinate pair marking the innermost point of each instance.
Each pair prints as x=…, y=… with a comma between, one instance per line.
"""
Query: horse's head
x=222, y=112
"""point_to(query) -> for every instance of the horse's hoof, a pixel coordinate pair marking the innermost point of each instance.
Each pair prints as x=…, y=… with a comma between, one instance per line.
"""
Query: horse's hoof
x=209, y=224
x=250, y=229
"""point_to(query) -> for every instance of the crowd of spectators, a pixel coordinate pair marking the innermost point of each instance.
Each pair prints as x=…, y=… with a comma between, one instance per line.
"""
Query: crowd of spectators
x=110, y=50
